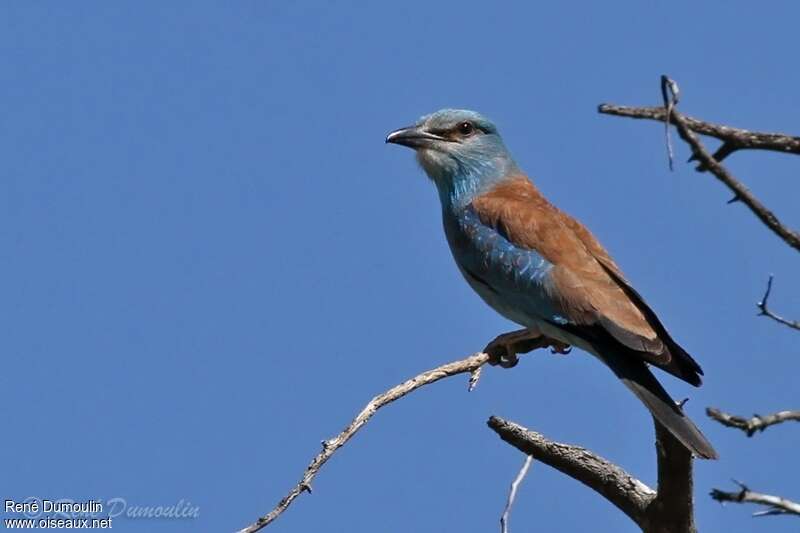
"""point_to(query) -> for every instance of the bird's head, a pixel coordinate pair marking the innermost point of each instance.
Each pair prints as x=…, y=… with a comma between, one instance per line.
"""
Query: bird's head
x=460, y=150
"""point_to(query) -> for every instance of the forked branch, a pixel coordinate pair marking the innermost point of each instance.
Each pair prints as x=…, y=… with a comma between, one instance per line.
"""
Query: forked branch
x=733, y=139
x=667, y=510
x=763, y=310
x=775, y=504
x=753, y=424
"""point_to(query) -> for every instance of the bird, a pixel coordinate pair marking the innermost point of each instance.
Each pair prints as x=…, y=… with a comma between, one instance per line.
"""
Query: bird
x=542, y=269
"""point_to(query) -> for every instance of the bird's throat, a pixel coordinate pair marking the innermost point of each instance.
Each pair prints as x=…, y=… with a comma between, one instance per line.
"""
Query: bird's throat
x=468, y=179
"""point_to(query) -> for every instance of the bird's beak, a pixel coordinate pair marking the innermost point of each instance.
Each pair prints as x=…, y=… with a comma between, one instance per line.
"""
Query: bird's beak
x=413, y=137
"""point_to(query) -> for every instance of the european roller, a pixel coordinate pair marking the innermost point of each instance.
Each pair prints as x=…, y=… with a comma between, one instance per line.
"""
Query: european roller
x=542, y=269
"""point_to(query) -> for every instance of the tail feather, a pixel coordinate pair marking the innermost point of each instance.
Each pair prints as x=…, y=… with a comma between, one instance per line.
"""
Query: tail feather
x=638, y=378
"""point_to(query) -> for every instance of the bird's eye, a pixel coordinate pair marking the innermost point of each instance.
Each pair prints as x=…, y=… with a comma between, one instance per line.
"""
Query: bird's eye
x=465, y=128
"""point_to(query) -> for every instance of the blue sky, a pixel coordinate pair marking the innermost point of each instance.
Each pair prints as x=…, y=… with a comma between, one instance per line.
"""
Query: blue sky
x=211, y=260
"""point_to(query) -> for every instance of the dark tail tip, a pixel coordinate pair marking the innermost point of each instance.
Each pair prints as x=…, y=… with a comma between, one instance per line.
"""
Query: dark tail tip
x=645, y=386
x=707, y=452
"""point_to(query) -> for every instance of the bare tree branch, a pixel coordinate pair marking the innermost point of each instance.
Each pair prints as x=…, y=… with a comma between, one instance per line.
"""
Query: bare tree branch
x=751, y=425
x=469, y=365
x=672, y=511
x=764, y=311
x=775, y=504
x=733, y=139
x=687, y=126
x=669, y=510
x=512, y=493
x=741, y=193
x=627, y=493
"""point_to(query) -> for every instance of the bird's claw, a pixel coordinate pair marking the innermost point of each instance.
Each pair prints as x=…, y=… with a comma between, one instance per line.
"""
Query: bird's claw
x=560, y=348
x=509, y=360
x=504, y=348
x=502, y=355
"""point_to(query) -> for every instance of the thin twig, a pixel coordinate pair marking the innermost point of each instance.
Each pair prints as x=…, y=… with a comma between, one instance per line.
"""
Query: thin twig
x=733, y=139
x=468, y=365
x=775, y=504
x=753, y=424
x=512, y=493
x=670, y=95
x=764, y=311
x=474, y=377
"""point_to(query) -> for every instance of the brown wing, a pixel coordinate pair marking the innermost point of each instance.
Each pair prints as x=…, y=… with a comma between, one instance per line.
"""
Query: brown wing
x=586, y=283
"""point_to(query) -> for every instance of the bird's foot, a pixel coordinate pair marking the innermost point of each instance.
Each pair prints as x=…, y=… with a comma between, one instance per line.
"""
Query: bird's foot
x=504, y=348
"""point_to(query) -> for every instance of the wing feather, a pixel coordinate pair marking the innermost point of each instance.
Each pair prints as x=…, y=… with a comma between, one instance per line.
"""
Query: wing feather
x=585, y=283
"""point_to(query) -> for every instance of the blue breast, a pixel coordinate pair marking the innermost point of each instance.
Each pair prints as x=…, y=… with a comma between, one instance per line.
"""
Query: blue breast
x=508, y=277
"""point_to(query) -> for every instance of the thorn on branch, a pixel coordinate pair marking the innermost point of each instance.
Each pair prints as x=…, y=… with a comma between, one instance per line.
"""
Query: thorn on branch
x=736, y=198
x=741, y=485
